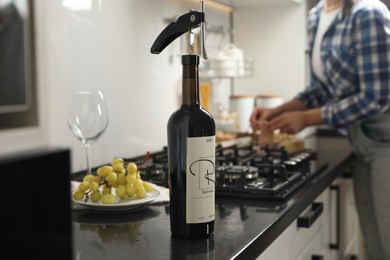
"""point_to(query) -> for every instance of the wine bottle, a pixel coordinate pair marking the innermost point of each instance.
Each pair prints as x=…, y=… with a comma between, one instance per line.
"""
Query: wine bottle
x=191, y=160
x=191, y=140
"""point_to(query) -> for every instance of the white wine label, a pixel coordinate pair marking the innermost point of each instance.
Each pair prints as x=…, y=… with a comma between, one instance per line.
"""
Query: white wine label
x=200, y=179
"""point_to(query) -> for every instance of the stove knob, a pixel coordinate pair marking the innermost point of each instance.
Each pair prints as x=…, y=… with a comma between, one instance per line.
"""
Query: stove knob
x=304, y=157
x=291, y=166
x=276, y=161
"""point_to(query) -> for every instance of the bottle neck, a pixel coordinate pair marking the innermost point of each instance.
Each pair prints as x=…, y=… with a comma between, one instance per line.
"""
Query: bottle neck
x=190, y=84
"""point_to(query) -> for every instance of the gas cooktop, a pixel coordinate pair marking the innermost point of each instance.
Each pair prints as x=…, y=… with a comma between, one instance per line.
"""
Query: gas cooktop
x=243, y=170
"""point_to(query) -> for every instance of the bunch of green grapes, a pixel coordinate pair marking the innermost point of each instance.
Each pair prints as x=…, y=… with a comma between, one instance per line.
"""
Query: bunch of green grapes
x=125, y=178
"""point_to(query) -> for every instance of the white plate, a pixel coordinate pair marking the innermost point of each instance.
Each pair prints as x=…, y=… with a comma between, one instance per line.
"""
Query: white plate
x=121, y=204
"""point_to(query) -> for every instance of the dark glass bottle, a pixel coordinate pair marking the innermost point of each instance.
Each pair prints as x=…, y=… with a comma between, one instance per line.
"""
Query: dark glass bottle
x=191, y=160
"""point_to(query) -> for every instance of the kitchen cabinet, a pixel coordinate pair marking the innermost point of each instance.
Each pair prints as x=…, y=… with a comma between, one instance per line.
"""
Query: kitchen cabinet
x=313, y=249
x=340, y=232
x=348, y=241
x=297, y=240
x=345, y=237
x=333, y=234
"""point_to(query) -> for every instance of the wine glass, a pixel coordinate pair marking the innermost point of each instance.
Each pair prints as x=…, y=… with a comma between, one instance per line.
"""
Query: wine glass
x=88, y=119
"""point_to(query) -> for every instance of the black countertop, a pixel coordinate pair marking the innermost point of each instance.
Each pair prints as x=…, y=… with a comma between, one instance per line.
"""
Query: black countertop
x=244, y=228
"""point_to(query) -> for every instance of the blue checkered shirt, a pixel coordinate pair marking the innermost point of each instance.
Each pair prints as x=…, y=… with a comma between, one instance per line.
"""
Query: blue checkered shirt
x=356, y=60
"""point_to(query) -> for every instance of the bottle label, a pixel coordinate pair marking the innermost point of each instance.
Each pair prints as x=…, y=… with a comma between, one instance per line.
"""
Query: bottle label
x=200, y=179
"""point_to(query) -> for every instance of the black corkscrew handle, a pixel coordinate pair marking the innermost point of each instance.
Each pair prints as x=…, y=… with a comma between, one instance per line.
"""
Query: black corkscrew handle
x=184, y=23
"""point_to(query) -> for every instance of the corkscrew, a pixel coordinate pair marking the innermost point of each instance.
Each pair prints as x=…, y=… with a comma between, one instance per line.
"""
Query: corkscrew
x=185, y=23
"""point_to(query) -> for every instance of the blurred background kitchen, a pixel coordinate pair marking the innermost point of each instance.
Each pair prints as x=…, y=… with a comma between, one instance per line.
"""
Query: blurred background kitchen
x=105, y=45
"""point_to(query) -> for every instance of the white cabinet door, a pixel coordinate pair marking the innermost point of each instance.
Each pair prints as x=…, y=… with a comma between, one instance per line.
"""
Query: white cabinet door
x=291, y=243
x=334, y=235
x=314, y=251
x=345, y=226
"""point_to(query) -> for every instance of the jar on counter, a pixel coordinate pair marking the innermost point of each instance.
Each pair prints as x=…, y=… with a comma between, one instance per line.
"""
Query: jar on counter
x=243, y=105
x=268, y=101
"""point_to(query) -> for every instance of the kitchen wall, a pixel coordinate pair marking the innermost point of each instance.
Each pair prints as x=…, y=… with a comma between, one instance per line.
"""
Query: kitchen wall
x=275, y=36
x=102, y=44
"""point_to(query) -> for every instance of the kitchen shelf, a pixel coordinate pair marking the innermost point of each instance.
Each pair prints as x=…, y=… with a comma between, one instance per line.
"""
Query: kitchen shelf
x=211, y=69
x=253, y=3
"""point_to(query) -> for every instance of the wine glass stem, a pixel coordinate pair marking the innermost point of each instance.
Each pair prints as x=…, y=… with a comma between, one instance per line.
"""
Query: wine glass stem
x=87, y=153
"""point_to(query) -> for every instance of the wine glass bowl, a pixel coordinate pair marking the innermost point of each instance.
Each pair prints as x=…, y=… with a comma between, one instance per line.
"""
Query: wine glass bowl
x=88, y=119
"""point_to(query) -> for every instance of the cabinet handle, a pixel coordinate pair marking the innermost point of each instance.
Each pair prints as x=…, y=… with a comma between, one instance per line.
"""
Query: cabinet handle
x=336, y=245
x=347, y=173
x=317, y=257
x=315, y=212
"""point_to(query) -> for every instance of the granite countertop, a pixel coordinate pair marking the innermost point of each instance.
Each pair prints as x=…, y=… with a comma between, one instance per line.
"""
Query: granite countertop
x=244, y=228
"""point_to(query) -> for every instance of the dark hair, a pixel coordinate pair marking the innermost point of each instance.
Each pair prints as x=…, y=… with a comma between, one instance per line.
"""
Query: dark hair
x=348, y=4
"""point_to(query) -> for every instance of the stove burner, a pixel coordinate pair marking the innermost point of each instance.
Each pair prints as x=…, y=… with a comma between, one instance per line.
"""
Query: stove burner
x=236, y=174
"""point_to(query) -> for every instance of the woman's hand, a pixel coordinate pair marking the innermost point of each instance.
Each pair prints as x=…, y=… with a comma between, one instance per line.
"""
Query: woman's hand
x=293, y=108
x=289, y=122
x=258, y=114
x=294, y=121
x=266, y=133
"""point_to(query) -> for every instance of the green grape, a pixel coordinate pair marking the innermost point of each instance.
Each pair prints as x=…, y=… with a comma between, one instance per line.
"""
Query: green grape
x=138, y=184
x=106, y=190
x=121, y=178
x=84, y=186
x=141, y=192
x=130, y=189
x=119, y=168
x=121, y=191
x=104, y=171
x=131, y=178
x=78, y=195
x=117, y=160
x=89, y=177
x=132, y=168
x=97, y=179
x=96, y=196
x=112, y=178
x=108, y=199
x=148, y=186
x=93, y=186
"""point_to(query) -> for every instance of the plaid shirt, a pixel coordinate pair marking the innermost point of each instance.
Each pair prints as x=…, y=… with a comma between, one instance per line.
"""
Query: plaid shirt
x=356, y=59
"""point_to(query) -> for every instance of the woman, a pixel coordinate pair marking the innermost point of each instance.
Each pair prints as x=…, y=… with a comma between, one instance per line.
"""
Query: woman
x=350, y=91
